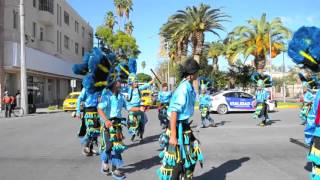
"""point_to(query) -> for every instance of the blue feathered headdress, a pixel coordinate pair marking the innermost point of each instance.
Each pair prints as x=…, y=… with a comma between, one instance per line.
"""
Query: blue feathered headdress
x=258, y=78
x=101, y=69
x=304, y=48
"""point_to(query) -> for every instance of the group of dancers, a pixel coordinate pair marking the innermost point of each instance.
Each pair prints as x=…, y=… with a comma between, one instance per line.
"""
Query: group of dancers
x=101, y=103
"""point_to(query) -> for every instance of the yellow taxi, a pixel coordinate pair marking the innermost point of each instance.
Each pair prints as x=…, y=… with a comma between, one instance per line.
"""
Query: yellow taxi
x=70, y=103
x=146, y=98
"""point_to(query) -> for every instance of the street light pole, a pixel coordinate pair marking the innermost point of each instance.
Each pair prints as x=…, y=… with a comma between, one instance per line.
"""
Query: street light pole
x=284, y=82
x=23, y=74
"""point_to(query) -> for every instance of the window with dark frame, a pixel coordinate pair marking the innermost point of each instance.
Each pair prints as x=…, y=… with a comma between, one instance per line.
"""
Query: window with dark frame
x=46, y=5
x=41, y=33
x=76, y=26
x=34, y=29
x=82, y=51
x=76, y=48
x=66, y=18
x=15, y=19
x=66, y=42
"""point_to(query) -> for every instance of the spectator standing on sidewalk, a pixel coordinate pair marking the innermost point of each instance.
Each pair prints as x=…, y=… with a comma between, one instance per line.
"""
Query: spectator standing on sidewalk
x=8, y=101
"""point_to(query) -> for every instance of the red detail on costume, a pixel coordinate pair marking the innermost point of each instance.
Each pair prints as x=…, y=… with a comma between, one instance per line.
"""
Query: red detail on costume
x=317, y=121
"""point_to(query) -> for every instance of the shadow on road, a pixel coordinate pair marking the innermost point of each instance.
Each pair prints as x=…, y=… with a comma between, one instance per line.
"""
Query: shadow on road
x=270, y=122
x=146, y=140
x=143, y=165
x=221, y=172
x=222, y=123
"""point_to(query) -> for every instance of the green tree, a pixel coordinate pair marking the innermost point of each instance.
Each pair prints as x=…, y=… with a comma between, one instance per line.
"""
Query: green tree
x=129, y=27
x=215, y=50
x=143, y=77
x=192, y=23
x=241, y=75
x=254, y=39
x=119, y=40
x=110, y=20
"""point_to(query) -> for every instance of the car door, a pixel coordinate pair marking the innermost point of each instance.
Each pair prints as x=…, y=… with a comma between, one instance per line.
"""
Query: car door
x=233, y=100
x=246, y=101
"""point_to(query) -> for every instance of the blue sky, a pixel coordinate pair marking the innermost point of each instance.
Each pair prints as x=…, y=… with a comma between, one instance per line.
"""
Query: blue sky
x=149, y=15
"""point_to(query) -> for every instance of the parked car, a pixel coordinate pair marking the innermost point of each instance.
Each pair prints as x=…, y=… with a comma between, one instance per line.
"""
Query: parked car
x=70, y=102
x=236, y=101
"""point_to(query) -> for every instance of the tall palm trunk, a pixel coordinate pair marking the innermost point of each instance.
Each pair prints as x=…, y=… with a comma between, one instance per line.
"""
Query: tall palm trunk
x=260, y=63
x=215, y=66
x=197, y=40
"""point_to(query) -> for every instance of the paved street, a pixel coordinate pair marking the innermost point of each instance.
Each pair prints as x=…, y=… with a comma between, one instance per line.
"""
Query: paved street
x=45, y=146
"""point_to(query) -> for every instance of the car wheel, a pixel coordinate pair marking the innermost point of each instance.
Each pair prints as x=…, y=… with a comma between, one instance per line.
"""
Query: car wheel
x=222, y=109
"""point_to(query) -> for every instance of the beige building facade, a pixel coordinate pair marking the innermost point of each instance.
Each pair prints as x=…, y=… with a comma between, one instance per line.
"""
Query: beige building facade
x=56, y=38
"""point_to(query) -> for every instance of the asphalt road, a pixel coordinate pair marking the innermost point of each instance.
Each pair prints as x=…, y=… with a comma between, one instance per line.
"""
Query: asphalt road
x=45, y=146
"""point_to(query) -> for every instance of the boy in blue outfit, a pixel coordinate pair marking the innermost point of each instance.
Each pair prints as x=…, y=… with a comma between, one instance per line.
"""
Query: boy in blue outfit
x=182, y=152
x=112, y=146
x=307, y=102
x=164, y=99
x=92, y=123
x=137, y=117
x=204, y=107
x=261, y=98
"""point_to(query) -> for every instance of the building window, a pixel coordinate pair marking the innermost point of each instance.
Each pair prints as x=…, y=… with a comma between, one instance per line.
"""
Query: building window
x=15, y=19
x=82, y=51
x=66, y=42
x=46, y=5
x=76, y=26
x=76, y=48
x=57, y=14
x=83, y=30
x=34, y=29
x=66, y=18
x=34, y=3
x=58, y=42
x=41, y=34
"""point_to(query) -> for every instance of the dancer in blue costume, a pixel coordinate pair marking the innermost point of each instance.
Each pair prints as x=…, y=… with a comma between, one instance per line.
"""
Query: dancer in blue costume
x=112, y=146
x=304, y=49
x=261, y=97
x=137, y=117
x=307, y=102
x=91, y=119
x=180, y=155
x=164, y=99
x=204, y=107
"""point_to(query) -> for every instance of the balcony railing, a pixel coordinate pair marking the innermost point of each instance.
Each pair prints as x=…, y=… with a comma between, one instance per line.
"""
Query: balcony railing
x=46, y=5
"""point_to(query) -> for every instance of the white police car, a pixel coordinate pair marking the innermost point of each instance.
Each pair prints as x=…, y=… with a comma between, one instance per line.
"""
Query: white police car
x=235, y=101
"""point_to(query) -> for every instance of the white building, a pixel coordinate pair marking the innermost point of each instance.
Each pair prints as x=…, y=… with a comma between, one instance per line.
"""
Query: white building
x=57, y=37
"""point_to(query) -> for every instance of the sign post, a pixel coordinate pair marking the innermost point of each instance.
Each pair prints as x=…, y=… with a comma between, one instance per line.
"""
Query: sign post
x=73, y=84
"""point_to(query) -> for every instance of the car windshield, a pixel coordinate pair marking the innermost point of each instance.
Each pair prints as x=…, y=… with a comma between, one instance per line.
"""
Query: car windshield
x=72, y=96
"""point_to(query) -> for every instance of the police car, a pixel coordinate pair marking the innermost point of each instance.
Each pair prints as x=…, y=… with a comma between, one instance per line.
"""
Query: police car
x=239, y=101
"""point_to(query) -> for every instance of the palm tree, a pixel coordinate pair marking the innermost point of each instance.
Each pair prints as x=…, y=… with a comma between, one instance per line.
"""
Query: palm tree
x=198, y=20
x=129, y=27
x=254, y=39
x=215, y=50
x=110, y=20
x=143, y=65
x=128, y=8
x=120, y=8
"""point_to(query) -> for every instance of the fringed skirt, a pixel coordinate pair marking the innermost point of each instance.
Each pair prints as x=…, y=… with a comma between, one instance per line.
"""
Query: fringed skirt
x=180, y=160
x=111, y=144
x=92, y=125
x=136, y=123
x=304, y=112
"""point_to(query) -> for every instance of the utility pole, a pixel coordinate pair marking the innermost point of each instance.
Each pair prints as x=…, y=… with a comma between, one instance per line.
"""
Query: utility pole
x=23, y=74
x=284, y=82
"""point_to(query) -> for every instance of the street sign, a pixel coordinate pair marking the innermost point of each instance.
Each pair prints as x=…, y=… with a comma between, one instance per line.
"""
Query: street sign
x=73, y=83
